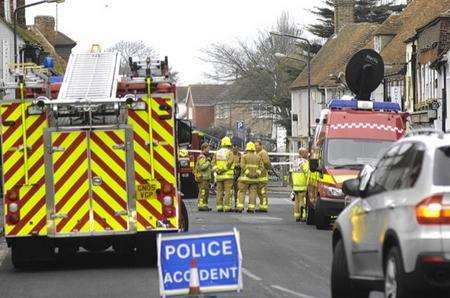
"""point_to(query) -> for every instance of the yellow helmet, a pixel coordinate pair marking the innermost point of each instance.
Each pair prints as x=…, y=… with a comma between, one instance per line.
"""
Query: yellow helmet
x=183, y=153
x=226, y=141
x=250, y=146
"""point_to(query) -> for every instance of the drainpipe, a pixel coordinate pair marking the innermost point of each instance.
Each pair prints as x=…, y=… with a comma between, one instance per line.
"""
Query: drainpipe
x=414, y=74
x=444, y=100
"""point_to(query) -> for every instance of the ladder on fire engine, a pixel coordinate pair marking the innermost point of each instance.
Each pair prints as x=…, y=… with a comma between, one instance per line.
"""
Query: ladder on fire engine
x=91, y=76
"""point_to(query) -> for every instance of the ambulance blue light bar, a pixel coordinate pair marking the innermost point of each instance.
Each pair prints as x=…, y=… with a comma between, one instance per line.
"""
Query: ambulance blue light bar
x=364, y=105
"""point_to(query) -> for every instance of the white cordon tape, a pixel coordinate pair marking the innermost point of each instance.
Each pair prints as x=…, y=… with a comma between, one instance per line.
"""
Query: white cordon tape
x=270, y=153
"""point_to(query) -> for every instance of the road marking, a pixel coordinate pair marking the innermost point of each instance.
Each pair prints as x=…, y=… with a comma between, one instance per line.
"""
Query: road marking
x=280, y=202
x=258, y=219
x=251, y=275
x=291, y=292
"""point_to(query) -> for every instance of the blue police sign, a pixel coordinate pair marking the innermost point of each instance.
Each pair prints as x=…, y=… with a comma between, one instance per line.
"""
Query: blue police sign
x=217, y=257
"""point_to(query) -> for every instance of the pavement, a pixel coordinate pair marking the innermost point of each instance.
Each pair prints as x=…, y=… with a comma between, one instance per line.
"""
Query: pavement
x=281, y=258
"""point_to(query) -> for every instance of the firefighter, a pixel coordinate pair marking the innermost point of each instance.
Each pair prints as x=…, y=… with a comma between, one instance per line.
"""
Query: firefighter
x=237, y=172
x=264, y=178
x=300, y=178
x=223, y=166
x=251, y=167
x=203, y=177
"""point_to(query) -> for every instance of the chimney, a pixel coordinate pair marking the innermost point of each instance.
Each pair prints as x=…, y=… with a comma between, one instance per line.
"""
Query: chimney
x=46, y=25
x=7, y=8
x=344, y=13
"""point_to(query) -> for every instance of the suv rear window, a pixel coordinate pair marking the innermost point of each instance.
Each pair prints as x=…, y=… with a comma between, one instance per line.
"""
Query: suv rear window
x=441, y=175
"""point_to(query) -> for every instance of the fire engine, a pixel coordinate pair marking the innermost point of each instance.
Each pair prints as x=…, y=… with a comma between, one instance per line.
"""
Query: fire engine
x=349, y=135
x=94, y=167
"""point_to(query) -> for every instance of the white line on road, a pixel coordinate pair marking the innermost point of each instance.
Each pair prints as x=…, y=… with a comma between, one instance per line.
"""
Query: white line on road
x=251, y=275
x=291, y=292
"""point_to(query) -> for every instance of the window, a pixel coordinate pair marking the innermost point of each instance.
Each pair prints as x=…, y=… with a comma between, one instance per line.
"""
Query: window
x=378, y=43
x=222, y=111
x=345, y=153
x=441, y=175
x=261, y=111
x=398, y=169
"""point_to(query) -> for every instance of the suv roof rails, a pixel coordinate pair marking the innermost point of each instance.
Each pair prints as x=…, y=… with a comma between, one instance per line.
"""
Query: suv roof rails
x=426, y=131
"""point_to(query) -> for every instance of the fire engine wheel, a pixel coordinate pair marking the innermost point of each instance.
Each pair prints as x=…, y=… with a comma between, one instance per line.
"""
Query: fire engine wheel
x=184, y=218
x=321, y=219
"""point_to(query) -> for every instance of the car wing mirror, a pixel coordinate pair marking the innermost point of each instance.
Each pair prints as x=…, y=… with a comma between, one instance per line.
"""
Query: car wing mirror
x=351, y=187
x=364, y=177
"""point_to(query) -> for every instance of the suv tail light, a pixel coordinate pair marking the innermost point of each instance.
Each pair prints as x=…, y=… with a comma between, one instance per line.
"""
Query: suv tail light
x=433, y=210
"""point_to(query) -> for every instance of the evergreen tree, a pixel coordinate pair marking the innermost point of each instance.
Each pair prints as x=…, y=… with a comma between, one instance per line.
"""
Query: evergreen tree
x=365, y=11
x=325, y=15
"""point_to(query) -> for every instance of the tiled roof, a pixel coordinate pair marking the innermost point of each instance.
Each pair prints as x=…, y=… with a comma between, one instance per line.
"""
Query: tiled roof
x=207, y=94
x=415, y=15
x=391, y=26
x=335, y=53
x=63, y=40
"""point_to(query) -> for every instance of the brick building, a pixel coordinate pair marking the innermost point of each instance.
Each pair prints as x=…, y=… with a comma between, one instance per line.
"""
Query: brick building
x=200, y=104
x=254, y=118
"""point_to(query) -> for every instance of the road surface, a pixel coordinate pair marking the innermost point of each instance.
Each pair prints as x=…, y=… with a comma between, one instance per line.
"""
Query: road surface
x=281, y=259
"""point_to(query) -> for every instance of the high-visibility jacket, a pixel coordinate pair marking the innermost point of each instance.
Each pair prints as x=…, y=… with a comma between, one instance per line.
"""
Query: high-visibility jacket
x=250, y=168
x=266, y=166
x=300, y=176
x=223, y=164
x=203, y=168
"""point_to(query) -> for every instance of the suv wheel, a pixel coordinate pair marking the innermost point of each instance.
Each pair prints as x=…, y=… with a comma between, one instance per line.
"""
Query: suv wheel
x=395, y=285
x=322, y=221
x=341, y=284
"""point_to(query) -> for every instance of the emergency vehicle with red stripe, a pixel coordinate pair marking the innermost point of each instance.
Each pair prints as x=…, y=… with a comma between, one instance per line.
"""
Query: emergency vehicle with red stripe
x=95, y=167
x=350, y=134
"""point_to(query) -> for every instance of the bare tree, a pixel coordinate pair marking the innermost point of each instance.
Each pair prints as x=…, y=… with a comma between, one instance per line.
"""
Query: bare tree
x=134, y=49
x=253, y=71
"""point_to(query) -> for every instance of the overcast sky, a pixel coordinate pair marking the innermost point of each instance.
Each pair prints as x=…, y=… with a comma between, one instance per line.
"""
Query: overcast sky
x=176, y=28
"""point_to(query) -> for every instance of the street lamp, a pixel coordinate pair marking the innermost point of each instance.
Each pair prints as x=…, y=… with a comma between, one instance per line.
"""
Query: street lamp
x=308, y=63
x=284, y=56
x=15, y=20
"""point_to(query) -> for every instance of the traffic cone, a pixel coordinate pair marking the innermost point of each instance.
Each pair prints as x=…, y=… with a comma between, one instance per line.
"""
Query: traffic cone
x=194, y=280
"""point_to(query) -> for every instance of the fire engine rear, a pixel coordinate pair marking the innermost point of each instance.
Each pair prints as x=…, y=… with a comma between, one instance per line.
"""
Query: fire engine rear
x=95, y=167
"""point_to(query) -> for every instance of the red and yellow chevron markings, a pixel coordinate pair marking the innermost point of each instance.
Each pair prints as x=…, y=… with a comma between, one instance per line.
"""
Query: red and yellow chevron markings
x=164, y=152
x=108, y=164
x=71, y=182
x=32, y=192
x=161, y=139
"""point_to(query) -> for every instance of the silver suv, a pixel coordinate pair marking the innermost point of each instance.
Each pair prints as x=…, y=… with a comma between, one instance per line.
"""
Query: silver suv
x=395, y=235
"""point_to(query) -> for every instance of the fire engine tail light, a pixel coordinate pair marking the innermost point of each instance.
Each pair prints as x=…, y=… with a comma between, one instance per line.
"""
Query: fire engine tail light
x=168, y=201
x=12, y=205
x=167, y=189
x=433, y=210
x=12, y=195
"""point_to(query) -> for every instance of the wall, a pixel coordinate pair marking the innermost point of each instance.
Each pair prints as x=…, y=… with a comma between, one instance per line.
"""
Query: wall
x=203, y=117
x=243, y=112
x=7, y=54
x=299, y=99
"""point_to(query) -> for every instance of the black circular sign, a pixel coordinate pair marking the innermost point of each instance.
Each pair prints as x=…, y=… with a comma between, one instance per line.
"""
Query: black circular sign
x=364, y=73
